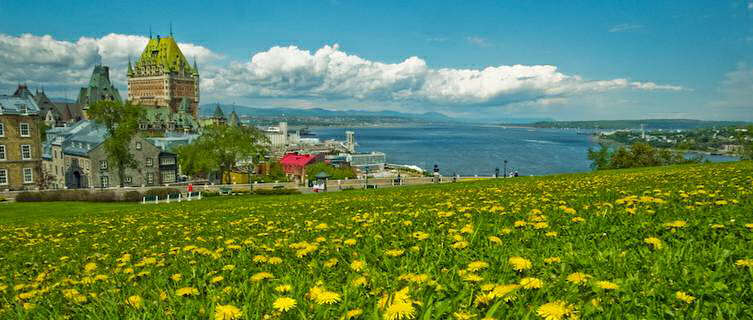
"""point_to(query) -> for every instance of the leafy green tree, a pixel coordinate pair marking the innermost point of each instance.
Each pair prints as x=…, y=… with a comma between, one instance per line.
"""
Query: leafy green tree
x=334, y=173
x=122, y=124
x=747, y=145
x=220, y=147
x=599, y=158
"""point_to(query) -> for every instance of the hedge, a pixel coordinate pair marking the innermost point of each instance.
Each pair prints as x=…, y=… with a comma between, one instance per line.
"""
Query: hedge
x=77, y=195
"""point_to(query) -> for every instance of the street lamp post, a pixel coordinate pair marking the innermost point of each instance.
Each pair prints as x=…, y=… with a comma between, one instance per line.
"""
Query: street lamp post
x=367, y=177
x=496, y=172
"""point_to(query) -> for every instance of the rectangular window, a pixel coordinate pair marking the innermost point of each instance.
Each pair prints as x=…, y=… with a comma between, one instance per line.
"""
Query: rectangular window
x=2, y=130
x=150, y=178
x=25, y=152
x=138, y=145
x=165, y=161
x=103, y=164
x=28, y=175
x=149, y=162
x=2, y=152
x=3, y=177
x=168, y=176
x=24, y=128
x=105, y=181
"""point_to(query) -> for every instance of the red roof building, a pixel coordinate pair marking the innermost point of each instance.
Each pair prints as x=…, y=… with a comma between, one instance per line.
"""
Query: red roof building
x=295, y=164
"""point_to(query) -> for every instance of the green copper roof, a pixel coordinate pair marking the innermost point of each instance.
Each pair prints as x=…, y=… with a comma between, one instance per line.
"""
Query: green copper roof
x=99, y=87
x=164, y=52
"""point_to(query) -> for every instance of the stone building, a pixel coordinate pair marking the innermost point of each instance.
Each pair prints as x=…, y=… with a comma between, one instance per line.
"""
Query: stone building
x=86, y=165
x=53, y=165
x=162, y=77
x=20, y=142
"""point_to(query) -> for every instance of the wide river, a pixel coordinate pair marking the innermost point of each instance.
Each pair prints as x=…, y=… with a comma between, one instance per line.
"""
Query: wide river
x=477, y=150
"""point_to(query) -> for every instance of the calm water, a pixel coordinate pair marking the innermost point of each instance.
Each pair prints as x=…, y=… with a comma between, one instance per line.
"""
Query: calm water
x=471, y=150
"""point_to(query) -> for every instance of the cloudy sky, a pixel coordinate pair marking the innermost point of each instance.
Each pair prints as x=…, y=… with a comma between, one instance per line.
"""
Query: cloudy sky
x=484, y=60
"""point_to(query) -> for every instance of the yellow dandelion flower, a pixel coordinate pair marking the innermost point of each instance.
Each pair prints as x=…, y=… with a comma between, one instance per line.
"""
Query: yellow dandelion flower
x=360, y=281
x=226, y=312
x=90, y=267
x=460, y=245
x=283, y=304
x=676, y=224
x=551, y=260
x=577, y=219
x=274, y=260
x=477, y=265
x=400, y=310
x=519, y=224
x=578, y=278
x=135, y=302
x=351, y=314
x=327, y=297
x=419, y=235
x=187, y=291
x=283, y=288
x=176, y=277
x=520, y=263
x=607, y=285
x=495, y=239
x=350, y=242
x=504, y=291
x=656, y=243
x=229, y=267
x=217, y=279
x=462, y=315
x=683, y=296
x=556, y=310
x=394, y=252
x=744, y=263
x=472, y=277
x=531, y=283
x=357, y=265
x=551, y=234
x=261, y=276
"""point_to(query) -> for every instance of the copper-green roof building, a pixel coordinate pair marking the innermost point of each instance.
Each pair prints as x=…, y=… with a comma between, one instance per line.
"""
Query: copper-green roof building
x=99, y=88
x=163, y=78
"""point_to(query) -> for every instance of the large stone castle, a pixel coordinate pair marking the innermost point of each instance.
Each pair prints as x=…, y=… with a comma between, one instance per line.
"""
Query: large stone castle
x=163, y=78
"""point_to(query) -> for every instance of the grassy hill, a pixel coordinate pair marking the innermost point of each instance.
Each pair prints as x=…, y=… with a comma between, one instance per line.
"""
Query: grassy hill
x=671, y=242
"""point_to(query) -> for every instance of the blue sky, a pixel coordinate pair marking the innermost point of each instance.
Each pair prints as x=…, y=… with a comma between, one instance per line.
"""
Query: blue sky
x=695, y=56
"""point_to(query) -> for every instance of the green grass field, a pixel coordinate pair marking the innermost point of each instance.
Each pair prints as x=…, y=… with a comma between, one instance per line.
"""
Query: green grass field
x=672, y=242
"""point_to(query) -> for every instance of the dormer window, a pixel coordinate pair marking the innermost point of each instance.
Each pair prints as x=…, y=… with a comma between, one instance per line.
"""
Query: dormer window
x=23, y=109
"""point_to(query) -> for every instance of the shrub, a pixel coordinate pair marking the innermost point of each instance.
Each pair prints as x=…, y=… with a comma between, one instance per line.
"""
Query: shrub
x=3, y=199
x=161, y=192
x=210, y=194
x=28, y=196
x=103, y=196
x=271, y=192
x=132, y=196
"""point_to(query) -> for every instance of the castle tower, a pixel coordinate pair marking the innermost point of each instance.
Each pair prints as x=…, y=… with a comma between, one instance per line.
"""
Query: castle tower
x=162, y=77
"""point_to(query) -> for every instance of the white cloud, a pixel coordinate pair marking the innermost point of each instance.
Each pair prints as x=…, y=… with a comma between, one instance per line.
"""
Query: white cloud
x=292, y=74
x=65, y=65
x=331, y=74
x=478, y=41
x=625, y=27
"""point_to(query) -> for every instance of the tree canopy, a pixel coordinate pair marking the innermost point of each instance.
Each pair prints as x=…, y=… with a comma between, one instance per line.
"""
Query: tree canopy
x=220, y=148
x=122, y=124
x=637, y=155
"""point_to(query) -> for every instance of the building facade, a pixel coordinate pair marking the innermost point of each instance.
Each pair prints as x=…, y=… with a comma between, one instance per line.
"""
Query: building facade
x=147, y=173
x=162, y=77
x=20, y=143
